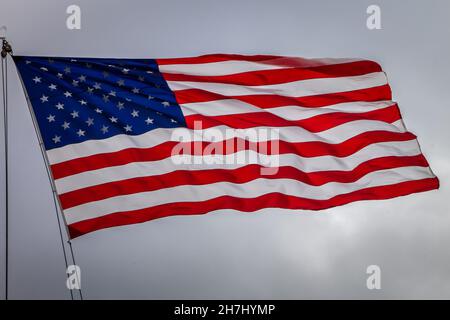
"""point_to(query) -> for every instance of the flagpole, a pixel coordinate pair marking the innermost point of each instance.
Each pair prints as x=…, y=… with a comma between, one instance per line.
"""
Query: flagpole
x=6, y=48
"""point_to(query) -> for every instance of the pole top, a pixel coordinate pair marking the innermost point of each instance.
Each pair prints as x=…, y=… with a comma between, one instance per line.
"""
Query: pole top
x=6, y=47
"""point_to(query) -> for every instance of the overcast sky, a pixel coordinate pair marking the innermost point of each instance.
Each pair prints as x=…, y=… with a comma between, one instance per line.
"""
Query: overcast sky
x=272, y=253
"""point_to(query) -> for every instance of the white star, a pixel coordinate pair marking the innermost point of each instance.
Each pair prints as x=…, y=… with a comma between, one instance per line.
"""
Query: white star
x=98, y=110
x=97, y=86
x=150, y=98
x=82, y=78
x=90, y=90
x=141, y=78
x=135, y=113
x=120, y=105
x=121, y=82
x=90, y=122
x=173, y=120
x=27, y=61
x=52, y=87
x=105, y=74
x=112, y=93
x=51, y=118
x=56, y=139
x=149, y=72
x=105, y=98
x=67, y=70
x=44, y=69
x=74, y=114
x=149, y=121
x=36, y=79
x=75, y=83
x=113, y=119
x=44, y=98
x=125, y=70
x=59, y=106
x=66, y=125
x=59, y=75
x=67, y=94
x=82, y=102
x=128, y=128
x=105, y=129
x=135, y=90
x=81, y=132
x=165, y=103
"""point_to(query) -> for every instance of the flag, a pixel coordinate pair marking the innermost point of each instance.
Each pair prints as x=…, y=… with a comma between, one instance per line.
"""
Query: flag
x=130, y=140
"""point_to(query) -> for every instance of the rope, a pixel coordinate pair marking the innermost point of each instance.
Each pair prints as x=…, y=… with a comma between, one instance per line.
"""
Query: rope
x=74, y=262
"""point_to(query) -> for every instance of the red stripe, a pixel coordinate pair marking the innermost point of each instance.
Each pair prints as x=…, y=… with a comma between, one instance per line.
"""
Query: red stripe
x=277, y=76
x=164, y=150
x=239, y=175
x=314, y=124
x=273, y=200
x=216, y=58
x=265, y=59
x=272, y=101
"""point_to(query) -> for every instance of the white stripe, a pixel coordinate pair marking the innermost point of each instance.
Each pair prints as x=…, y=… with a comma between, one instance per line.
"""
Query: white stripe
x=315, y=164
x=234, y=66
x=252, y=189
x=155, y=137
x=299, y=88
x=232, y=106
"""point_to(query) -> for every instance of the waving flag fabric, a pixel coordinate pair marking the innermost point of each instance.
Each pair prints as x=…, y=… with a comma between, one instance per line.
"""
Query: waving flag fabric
x=110, y=128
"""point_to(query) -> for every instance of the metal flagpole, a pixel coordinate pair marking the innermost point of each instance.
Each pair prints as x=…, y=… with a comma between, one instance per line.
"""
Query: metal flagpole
x=57, y=204
x=6, y=48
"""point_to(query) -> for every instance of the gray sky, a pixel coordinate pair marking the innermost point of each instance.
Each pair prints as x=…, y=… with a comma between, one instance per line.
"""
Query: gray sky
x=270, y=254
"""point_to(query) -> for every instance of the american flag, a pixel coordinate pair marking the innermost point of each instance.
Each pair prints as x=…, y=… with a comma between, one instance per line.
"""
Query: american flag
x=108, y=128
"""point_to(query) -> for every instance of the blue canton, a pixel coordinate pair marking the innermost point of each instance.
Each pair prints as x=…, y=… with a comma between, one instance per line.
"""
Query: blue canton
x=81, y=99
